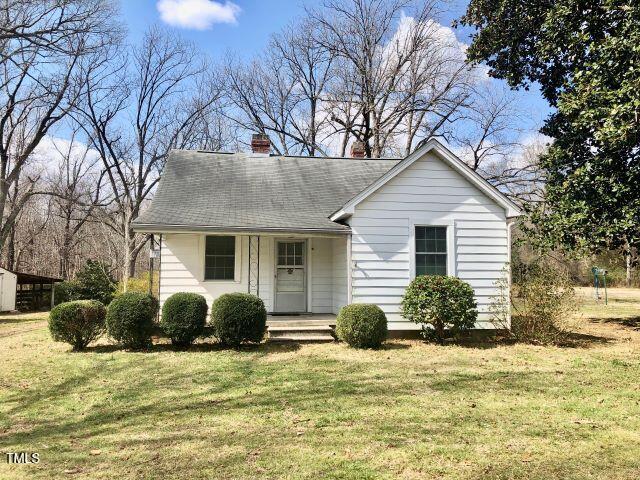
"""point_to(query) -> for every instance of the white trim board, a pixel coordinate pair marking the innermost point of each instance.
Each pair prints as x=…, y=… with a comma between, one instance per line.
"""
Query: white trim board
x=432, y=145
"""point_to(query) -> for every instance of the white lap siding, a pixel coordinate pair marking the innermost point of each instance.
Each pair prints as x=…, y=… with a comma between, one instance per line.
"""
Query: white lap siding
x=182, y=268
x=321, y=275
x=428, y=192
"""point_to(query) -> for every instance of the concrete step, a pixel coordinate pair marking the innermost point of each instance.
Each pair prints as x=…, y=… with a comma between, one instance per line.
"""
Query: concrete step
x=299, y=323
x=300, y=333
x=301, y=338
x=302, y=328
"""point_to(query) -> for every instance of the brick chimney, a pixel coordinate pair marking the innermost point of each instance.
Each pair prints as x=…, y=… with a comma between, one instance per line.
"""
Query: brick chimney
x=357, y=149
x=260, y=143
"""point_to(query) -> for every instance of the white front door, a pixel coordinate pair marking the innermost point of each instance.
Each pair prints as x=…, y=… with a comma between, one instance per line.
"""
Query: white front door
x=290, y=276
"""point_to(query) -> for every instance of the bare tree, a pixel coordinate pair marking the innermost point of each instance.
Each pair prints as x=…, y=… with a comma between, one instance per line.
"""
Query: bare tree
x=134, y=112
x=491, y=131
x=280, y=92
x=402, y=78
x=76, y=188
x=43, y=45
x=24, y=235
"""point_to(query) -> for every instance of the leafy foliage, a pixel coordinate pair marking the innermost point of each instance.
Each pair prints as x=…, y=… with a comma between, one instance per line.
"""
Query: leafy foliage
x=585, y=56
x=95, y=283
x=184, y=316
x=443, y=305
x=362, y=325
x=66, y=291
x=237, y=318
x=77, y=323
x=130, y=319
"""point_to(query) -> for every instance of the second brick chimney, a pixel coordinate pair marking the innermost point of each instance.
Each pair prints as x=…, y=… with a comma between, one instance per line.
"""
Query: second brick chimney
x=357, y=149
x=260, y=143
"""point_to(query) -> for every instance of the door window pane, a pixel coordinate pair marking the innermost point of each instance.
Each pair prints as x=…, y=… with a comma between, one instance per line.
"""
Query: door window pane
x=291, y=253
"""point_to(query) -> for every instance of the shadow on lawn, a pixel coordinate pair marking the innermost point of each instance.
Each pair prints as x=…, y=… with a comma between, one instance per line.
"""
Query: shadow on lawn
x=584, y=340
x=251, y=391
x=13, y=320
x=632, y=322
x=264, y=348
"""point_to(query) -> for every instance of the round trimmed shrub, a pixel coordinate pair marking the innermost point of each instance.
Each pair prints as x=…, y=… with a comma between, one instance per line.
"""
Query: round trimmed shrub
x=362, y=325
x=77, y=323
x=444, y=306
x=184, y=316
x=130, y=319
x=237, y=318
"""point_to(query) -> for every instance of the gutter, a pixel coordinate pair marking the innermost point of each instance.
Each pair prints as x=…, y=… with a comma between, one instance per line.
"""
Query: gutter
x=164, y=228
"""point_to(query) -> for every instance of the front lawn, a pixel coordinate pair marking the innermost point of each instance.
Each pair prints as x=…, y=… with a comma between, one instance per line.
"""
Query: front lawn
x=410, y=410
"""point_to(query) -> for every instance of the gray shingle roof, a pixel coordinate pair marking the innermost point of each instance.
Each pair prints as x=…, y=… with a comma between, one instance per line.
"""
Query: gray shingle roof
x=243, y=192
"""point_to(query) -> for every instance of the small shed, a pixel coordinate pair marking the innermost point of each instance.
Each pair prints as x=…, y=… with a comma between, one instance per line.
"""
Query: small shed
x=7, y=290
x=34, y=292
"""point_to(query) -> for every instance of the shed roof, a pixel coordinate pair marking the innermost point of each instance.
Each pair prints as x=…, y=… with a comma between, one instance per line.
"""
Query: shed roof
x=244, y=192
x=32, y=278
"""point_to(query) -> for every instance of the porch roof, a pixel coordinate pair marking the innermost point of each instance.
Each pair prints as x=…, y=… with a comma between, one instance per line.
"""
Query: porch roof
x=244, y=192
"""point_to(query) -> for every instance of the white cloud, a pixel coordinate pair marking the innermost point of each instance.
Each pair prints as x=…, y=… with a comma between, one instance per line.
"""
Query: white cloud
x=197, y=14
x=51, y=151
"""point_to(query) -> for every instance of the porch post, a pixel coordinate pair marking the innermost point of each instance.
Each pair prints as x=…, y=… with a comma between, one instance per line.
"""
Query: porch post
x=254, y=265
x=349, y=271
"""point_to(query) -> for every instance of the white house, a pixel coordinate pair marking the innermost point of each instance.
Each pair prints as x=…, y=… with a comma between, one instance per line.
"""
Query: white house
x=310, y=235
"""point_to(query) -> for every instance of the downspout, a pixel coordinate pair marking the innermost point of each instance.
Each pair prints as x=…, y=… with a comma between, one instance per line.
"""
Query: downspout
x=349, y=271
x=510, y=223
x=159, y=272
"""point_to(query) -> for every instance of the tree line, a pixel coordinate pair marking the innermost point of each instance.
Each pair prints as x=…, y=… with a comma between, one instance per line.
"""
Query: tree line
x=87, y=117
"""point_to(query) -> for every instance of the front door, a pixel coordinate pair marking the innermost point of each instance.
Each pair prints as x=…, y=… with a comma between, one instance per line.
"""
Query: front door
x=290, y=277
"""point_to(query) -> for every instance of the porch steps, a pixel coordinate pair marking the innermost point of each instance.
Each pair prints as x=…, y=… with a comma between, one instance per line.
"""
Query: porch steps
x=286, y=332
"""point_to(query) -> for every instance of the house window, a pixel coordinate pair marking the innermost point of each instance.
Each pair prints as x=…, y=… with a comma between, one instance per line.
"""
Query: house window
x=220, y=258
x=431, y=251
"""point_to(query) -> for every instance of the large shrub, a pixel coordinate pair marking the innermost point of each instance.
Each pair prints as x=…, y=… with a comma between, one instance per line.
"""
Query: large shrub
x=95, y=283
x=444, y=306
x=362, y=325
x=237, y=318
x=543, y=301
x=66, y=291
x=77, y=323
x=130, y=319
x=184, y=316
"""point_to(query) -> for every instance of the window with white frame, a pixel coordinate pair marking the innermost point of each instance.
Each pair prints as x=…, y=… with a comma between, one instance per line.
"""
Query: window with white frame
x=220, y=258
x=431, y=250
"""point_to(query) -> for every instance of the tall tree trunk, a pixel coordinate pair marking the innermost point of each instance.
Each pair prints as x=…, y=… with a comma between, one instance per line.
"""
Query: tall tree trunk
x=11, y=249
x=628, y=258
x=133, y=258
x=128, y=250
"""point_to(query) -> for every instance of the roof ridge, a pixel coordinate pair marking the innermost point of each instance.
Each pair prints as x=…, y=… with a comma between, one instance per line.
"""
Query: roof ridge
x=249, y=155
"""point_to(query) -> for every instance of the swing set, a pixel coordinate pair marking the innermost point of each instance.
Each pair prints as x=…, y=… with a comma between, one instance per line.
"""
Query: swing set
x=600, y=283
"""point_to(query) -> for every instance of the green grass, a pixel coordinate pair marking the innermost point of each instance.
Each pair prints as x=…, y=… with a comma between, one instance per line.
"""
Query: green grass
x=411, y=410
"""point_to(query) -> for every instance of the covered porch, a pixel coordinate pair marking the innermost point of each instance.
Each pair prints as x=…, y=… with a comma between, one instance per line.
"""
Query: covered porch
x=300, y=276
